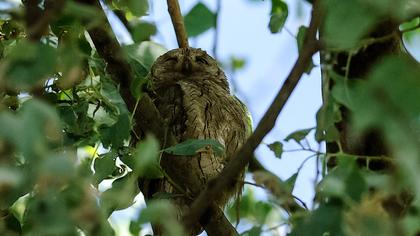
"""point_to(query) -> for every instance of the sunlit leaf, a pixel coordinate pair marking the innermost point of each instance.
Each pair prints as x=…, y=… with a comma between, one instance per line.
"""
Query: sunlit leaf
x=278, y=15
x=136, y=7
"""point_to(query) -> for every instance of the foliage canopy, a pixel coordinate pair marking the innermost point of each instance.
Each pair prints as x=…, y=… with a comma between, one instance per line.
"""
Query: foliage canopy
x=66, y=127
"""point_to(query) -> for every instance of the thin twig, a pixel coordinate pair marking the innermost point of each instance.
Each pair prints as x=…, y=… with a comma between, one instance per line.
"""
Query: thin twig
x=241, y=158
x=178, y=23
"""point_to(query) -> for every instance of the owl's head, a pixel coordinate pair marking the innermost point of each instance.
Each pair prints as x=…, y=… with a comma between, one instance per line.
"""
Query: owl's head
x=189, y=64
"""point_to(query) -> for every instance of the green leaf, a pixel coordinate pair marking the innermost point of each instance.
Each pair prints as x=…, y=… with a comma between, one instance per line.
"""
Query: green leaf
x=134, y=228
x=325, y=220
x=300, y=38
x=147, y=159
x=345, y=181
x=142, y=31
x=191, y=147
x=29, y=64
x=237, y=63
x=75, y=120
x=298, y=135
x=277, y=148
x=113, y=98
x=290, y=182
x=199, y=20
x=116, y=134
x=104, y=166
x=253, y=210
x=278, y=15
x=347, y=21
x=40, y=127
x=164, y=213
x=136, y=7
x=145, y=53
x=326, y=117
x=121, y=195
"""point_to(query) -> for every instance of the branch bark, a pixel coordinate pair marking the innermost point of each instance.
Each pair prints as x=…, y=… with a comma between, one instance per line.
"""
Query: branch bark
x=178, y=23
x=241, y=158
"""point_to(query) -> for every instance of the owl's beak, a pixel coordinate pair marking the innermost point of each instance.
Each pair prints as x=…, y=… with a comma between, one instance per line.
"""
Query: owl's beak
x=186, y=66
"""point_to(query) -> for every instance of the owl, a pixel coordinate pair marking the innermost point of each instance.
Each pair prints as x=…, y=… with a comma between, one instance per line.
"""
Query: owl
x=192, y=95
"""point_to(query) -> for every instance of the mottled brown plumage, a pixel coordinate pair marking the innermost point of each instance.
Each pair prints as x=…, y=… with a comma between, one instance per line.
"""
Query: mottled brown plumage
x=192, y=95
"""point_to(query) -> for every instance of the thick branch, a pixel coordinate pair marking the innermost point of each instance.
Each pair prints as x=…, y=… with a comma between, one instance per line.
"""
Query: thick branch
x=178, y=23
x=241, y=158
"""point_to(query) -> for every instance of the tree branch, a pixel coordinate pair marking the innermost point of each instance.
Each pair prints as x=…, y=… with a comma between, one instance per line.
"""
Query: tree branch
x=241, y=158
x=178, y=23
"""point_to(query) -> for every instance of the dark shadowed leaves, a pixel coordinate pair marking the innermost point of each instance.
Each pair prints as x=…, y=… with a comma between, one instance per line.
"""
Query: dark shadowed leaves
x=116, y=134
x=104, y=166
x=29, y=64
x=199, y=20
